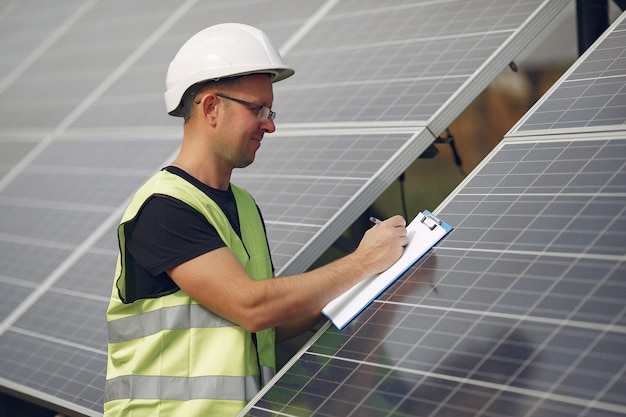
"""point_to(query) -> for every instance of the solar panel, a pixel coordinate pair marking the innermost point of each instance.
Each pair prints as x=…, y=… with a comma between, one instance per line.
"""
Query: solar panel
x=520, y=310
x=83, y=125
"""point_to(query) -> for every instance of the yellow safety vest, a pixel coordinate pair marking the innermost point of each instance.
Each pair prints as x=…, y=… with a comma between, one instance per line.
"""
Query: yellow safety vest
x=169, y=356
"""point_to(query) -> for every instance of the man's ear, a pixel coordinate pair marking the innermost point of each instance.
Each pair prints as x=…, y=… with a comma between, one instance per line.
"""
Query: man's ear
x=209, y=108
x=205, y=107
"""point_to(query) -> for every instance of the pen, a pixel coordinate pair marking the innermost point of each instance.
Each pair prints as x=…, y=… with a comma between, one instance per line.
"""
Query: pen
x=375, y=220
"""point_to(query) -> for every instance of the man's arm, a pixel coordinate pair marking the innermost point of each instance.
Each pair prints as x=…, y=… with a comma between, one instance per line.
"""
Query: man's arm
x=219, y=282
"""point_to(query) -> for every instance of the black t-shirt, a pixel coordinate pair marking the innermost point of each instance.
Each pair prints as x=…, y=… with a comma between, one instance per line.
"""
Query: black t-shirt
x=168, y=233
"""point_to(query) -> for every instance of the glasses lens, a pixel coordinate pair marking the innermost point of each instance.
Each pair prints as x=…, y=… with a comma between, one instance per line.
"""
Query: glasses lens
x=265, y=113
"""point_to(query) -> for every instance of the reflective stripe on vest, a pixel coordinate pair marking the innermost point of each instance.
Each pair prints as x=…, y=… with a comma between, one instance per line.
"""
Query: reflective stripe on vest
x=232, y=388
x=167, y=318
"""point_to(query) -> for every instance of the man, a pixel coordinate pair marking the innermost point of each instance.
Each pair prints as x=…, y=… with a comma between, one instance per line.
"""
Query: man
x=195, y=310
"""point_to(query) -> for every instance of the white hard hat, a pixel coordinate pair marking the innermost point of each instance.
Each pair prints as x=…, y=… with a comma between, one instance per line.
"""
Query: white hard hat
x=221, y=51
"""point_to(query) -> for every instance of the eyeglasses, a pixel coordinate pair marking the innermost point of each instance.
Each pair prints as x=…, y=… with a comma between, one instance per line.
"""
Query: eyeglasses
x=263, y=112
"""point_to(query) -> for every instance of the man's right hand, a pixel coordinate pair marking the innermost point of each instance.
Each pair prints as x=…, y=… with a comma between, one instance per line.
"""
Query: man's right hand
x=383, y=244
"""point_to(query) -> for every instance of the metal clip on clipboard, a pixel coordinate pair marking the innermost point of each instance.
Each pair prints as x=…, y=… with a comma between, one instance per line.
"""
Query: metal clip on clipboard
x=434, y=222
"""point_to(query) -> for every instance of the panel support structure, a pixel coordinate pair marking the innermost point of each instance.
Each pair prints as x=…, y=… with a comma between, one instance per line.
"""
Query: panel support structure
x=592, y=19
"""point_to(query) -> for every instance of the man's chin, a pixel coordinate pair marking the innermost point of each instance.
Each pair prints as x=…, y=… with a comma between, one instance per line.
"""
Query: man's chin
x=244, y=164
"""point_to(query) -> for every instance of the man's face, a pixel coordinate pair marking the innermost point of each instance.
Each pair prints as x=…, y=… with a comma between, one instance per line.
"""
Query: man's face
x=242, y=128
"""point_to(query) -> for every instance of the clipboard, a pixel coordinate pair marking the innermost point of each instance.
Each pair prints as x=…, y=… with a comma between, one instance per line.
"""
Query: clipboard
x=423, y=232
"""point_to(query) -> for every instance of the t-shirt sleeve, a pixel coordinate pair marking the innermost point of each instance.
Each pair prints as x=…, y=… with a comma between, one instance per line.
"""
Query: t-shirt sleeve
x=169, y=233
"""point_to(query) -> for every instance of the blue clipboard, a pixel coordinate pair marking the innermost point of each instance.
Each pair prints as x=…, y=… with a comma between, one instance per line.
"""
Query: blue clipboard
x=424, y=232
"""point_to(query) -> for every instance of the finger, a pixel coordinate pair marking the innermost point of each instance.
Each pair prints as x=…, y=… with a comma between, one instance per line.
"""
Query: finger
x=397, y=221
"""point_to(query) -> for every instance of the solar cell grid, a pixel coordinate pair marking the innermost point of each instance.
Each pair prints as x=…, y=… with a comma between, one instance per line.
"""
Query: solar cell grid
x=383, y=87
x=80, y=324
x=591, y=94
x=324, y=155
x=394, y=62
x=437, y=371
x=53, y=369
x=15, y=257
x=11, y=293
x=97, y=265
